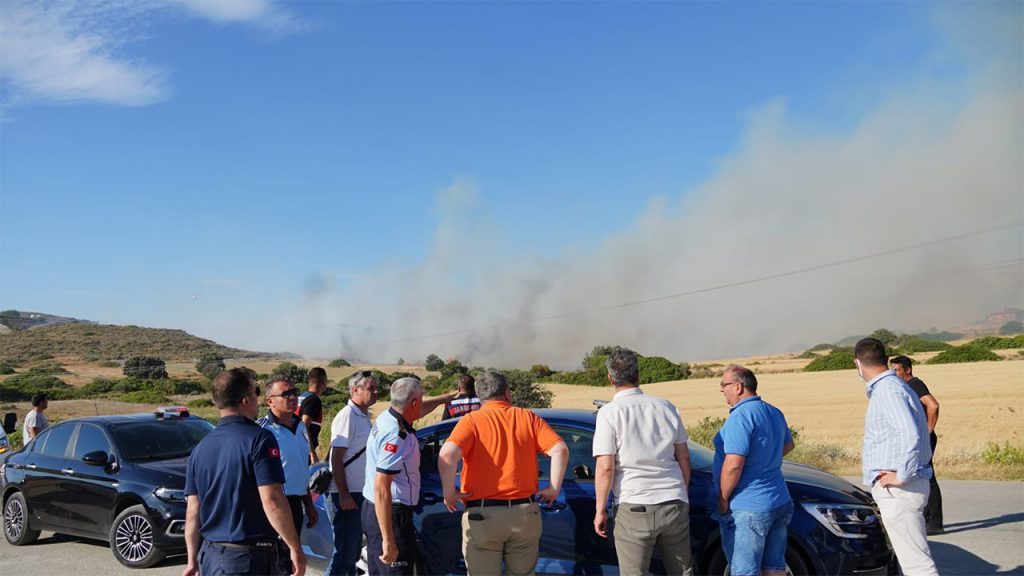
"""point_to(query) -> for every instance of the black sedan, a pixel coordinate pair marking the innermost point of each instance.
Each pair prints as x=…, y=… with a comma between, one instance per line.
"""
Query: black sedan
x=835, y=527
x=114, y=478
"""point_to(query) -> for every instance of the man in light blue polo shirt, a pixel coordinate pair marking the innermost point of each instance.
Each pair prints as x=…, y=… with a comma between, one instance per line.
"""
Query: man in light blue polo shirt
x=293, y=440
x=753, y=502
x=392, y=485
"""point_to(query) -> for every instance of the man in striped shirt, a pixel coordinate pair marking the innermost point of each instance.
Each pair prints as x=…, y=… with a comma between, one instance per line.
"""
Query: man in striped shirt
x=895, y=457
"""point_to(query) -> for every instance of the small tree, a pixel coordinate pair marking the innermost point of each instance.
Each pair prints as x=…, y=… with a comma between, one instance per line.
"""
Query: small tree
x=338, y=363
x=401, y=361
x=434, y=363
x=297, y=374
x=210, y=364
x=1011, y=327
x=149, y=367
x=525, y=392
x=885, y=336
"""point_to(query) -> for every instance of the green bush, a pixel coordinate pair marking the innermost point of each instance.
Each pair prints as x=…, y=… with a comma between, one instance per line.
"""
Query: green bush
x=821, y=347
x=145, y=397
x=525, y=391
x=658, y=369
x=704, y=432
x=837, y=359
x=98, y=387
x=210, y=364
x=39, y=357
x=941, y=336
x=176, y=386
x=144, y=367
x=109, y=364
x=6, y=368
x=200, y=403
x=965, y=353
x=433, y=363
x=47, y=369
x=541, y=371
x=298, y=375
x=1003, y=454
x=915, y=344
x=995, y=343
x=338, y=363
x=22, y=387
x=886, y=337
x=1011, y=327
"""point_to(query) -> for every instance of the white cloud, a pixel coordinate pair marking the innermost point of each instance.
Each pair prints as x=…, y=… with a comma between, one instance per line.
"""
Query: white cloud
x=54, y=52
x=75, y=51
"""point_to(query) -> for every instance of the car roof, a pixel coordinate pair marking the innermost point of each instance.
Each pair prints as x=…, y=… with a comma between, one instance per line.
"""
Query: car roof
x=127, y=418
x=585, y=418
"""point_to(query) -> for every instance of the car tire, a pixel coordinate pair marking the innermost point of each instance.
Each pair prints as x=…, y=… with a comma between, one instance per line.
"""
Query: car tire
x=795, y=565
x=16, y=527
x=132, y=539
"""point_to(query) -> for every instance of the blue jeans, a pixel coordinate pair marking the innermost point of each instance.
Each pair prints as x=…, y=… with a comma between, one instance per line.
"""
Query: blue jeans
x=348, y=537
x=755, y=541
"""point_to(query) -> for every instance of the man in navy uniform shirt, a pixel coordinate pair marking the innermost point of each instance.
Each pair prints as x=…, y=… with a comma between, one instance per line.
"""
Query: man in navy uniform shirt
x=236, y=504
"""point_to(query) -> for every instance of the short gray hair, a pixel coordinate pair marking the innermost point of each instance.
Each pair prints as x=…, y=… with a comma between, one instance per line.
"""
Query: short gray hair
x=361, y=379
x=403, y=390
x=491, y=384
x=623, y=367
x=744, y=376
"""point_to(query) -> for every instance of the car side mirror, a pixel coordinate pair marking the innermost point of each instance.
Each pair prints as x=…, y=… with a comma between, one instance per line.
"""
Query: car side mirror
x=96, y=458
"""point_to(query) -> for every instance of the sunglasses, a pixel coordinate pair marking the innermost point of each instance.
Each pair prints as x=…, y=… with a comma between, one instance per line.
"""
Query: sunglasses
x=290, y=393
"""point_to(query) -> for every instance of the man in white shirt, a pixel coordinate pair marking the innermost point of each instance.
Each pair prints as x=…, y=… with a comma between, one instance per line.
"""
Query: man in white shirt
x=35, y=421
x=349, y=431
x=642, y=457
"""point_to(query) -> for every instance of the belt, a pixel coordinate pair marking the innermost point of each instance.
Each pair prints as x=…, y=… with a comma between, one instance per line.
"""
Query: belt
x=247, y=545
x=484, y=502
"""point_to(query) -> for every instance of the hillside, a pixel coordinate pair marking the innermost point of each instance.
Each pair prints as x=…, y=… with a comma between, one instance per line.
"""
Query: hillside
x=109, y=342
x=14, y=320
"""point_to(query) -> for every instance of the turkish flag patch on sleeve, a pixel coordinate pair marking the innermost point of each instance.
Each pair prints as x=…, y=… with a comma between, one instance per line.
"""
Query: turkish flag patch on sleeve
x=389, y=447
x=275, y=453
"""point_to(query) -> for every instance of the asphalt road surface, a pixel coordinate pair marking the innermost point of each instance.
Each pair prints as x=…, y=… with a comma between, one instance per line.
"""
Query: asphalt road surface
x=984, y=535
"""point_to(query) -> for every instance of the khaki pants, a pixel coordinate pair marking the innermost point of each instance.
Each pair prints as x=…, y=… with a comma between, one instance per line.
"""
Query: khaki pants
x=640, y=528
x=493, y=534
x=902, y=511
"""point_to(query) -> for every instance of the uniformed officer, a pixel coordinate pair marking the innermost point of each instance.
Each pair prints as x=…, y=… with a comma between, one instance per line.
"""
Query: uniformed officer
x=293, y=440
x=236, y=506
x=392, y=486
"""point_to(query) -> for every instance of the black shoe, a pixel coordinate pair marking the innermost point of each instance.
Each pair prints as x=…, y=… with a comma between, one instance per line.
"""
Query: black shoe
x=936, y=531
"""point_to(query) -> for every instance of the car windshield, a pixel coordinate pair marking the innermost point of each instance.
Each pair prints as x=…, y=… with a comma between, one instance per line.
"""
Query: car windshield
x=159, y=439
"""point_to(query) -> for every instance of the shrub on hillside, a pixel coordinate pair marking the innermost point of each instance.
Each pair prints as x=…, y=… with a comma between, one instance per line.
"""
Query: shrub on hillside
x=433, y=363
x=144, y=367
x=525, y=391
x=6, y=368
x=200, y=403
x=965, y=353
x=821, y=347
x=210, y=364
x=338, y=363
x=1011, y=327
x=915, y=344
x=22, y=387
x=658, y=369
x=837, y=359
x=298, y=375
x=541, y=371
x=145, y=397
x=109, y=364
x=886, y=337
x=47, y=368
x=940, y=336
x=995, y=343
x=44, y=356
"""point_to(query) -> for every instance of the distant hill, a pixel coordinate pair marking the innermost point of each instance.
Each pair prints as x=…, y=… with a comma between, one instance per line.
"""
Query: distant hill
x=109, y=342
x=15, y=320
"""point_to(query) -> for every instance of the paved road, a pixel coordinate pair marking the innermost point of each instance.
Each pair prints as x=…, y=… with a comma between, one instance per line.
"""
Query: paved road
x=984, y=523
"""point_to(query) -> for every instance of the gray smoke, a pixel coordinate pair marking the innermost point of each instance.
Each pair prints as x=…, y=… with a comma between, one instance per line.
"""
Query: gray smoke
x=932, y=161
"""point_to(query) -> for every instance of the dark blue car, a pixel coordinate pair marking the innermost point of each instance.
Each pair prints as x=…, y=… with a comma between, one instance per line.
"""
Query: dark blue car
x=835, y=527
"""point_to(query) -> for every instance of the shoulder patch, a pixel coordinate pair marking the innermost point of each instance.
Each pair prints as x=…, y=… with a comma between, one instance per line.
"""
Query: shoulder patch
x=274, y=453
x=389, y=447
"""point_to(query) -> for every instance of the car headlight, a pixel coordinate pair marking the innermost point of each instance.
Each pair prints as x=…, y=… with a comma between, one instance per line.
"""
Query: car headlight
x=844, y=520
x=170, y=494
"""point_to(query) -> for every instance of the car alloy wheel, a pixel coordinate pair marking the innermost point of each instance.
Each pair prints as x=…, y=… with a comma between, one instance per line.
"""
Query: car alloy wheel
x=16, y=528
x=131, y=539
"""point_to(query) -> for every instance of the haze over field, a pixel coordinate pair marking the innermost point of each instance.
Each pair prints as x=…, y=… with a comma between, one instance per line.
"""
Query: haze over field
x=628, y=211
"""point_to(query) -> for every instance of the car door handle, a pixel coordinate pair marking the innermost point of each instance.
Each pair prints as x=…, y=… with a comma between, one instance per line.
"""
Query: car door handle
x=67, y=471
x=553, y=507
x=430, y=498
x=31, y=466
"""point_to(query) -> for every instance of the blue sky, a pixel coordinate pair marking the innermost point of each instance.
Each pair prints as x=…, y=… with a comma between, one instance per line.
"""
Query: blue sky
x=256, y=155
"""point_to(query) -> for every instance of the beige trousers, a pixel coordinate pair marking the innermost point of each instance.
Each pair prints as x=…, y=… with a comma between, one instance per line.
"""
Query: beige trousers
x=495, y=534
x=639, y=529
x=902, y=511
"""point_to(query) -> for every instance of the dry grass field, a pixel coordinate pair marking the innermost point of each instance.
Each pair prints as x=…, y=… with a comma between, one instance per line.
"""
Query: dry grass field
x=980, y=403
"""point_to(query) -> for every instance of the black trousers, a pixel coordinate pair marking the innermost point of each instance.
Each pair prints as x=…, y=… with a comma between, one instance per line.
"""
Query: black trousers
x=264, y=558
x=933, y=512
x=295, y=503
x=405, y=538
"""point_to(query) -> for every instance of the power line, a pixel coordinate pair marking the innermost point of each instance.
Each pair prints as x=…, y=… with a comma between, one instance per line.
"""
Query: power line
x=833, y=264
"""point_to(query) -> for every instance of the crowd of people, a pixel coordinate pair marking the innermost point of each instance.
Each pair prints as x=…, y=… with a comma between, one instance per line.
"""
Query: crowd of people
x=247, y=487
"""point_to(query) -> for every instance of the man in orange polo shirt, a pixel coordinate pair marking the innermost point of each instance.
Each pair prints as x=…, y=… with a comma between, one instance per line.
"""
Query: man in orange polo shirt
x=499, y=445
